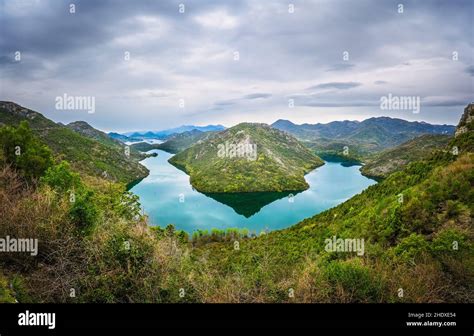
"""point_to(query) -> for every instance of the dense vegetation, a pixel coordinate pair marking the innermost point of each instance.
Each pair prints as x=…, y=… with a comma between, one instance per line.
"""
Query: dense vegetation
x=85, y=148
x=417, y=225
x=394, y=159
x=362, y=139
x=279, y=161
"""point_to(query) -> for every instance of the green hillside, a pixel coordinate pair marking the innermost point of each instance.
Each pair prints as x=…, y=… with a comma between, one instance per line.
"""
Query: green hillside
x=88, y=150
x=418, y=230
x=394, y=159
x=278, y=163
x=363, y=139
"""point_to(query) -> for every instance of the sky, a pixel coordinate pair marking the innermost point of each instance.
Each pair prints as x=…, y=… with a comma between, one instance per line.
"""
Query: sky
x=152, y=65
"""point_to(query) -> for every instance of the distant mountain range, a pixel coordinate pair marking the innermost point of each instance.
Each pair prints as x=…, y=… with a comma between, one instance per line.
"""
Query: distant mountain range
x=175, y=142
x=123, y=138
x=362, y=138
x=164, y=134
x=350, y=140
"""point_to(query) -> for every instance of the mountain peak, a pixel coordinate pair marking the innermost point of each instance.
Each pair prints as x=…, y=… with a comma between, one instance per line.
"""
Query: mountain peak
x=80, y=125
x=89, y=131
x=281, y=122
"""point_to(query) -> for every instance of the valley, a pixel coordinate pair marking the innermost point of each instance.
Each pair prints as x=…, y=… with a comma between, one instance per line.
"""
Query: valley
x=167, y=196
x=235, y=222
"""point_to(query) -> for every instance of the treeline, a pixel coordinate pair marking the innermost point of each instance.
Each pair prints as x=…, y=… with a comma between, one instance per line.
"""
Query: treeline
x=202, y=237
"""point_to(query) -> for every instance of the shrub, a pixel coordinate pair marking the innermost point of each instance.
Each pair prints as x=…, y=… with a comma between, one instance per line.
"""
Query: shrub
x=84, y=212
x=352, y=282
x=6, y=295
x=411, y=247
x=61, y=177
x=24, y=151
x=448, y=241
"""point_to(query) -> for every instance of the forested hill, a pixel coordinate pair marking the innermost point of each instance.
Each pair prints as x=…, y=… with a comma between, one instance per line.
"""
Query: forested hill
x=394, y=159
x=362, y=138
x=89, y=151
x=271, y=160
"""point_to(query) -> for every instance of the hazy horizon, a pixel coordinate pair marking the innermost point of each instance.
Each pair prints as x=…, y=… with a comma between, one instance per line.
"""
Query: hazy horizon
x=268, y=123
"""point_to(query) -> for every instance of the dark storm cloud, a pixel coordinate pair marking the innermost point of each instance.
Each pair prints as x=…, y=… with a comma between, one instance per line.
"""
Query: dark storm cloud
x=191, y=56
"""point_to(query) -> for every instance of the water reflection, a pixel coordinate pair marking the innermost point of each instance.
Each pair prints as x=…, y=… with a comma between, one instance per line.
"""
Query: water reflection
x=248, y=204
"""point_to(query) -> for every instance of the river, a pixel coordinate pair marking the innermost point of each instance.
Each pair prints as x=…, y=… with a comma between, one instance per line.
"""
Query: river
x=167, y=197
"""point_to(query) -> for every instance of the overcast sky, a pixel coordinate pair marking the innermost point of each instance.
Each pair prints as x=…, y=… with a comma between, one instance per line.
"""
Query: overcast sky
x=282, y=55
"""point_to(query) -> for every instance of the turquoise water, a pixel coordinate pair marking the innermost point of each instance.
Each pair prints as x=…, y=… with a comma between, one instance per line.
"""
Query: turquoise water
x=168, y=198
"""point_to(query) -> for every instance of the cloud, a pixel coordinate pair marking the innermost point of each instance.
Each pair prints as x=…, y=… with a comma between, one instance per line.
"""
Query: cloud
x=335, y=85
x=470, y=70
x=257, y=95
x=348, y=103
x=225, y=103
x=218, y=19
x=443, y=101
x=190, y=56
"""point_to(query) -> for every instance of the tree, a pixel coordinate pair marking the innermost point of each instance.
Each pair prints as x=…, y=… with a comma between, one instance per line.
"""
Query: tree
x=24, y=152
x=62, y=178
x=84, y=212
